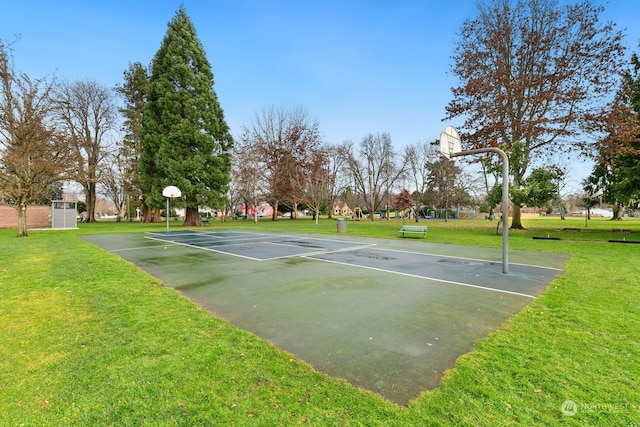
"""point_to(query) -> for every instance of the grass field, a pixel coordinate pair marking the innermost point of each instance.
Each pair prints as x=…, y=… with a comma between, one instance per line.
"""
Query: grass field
x=89, y=339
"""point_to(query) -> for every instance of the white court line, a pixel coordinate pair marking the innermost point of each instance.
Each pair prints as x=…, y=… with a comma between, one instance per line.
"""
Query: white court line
x=311, y=254
x=398, y=250
x=227, y=241
x=171, y=243
x=467, y=258
x=250, y=235
x=173, y=233
x=192, y=236
x=320, y=252
x=143, y=247
x=251, y=238
x=425, y=278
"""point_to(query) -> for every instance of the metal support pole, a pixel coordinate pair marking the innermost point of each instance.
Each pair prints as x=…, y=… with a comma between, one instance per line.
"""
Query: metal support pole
x=505, y=199
x=167, y=214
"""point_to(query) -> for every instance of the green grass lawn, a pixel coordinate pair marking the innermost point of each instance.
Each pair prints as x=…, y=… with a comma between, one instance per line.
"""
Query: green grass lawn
x=89, y=339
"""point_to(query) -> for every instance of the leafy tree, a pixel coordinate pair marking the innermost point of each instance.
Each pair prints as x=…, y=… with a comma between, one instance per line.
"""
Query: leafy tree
x=608, y=183
x=535, y=71
x=185, y=140
x=591, y=196
x=447, y=186
x=33, y=155
x=403, y=201
x=134, y=93
x=616, y=175
x=536, y=190
x=540, y=187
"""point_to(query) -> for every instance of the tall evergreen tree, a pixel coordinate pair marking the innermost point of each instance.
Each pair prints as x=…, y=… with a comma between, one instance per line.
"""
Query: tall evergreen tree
x=134, y=93
x=185, y=139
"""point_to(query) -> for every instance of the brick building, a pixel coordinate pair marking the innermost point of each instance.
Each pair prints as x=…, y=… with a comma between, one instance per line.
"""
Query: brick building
x=37, y=217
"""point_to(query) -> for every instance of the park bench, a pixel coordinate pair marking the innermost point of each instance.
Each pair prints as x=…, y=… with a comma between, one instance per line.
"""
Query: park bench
x=205, y=220
x=414, y=229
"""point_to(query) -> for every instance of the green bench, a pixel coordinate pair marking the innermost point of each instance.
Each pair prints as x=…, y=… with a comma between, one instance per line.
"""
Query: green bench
x=414, y=229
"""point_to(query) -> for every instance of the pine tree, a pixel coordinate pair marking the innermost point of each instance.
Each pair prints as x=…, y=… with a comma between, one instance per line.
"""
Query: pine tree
x=185, y=139
x=134, y=93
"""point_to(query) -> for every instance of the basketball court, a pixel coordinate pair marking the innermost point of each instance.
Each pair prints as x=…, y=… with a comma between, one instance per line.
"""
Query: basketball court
x=386, y=315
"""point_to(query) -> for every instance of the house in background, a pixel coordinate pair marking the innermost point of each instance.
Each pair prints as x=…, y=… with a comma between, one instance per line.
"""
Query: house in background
x=340, y=208
x=263, y=209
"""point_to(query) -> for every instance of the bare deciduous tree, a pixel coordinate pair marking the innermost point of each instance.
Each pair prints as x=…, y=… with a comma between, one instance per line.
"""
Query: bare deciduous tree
x=374, y=168
x=317, y=180
x=417, y=156
x=87, y=112
x=33, y=156
x=534, y=71
x=285, y=139
x=336, y=170
x=114, y=181
x=247, y=175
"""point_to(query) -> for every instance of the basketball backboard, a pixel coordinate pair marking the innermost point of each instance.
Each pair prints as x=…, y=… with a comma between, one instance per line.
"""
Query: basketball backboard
x=171, y=192
x=450, y=142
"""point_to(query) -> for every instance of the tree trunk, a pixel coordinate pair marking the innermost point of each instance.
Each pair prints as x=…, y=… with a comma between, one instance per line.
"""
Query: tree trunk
x=146, y=213
x=22, y=220
x=192, y=218
x=274, y=215
x=124, y=212
x=446, y=207
x=516, y=220
x=618, y=209
x=91, y=202
x=255, y=210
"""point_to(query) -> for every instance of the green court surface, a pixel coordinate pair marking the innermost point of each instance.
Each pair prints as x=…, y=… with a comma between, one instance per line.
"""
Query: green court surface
x=386, y=315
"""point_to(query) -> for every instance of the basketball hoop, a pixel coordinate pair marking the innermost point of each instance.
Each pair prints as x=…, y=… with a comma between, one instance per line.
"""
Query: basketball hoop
x=170, y=192
x=450, y=147
x=450, y=142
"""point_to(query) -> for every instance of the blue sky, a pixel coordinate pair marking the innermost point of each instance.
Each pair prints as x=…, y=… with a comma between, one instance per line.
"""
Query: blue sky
x=357, y=66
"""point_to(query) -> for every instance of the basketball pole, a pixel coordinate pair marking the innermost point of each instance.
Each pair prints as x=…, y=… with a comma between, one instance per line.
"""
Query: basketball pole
x=167, y=214
x=505, y=198
x=170, y=192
